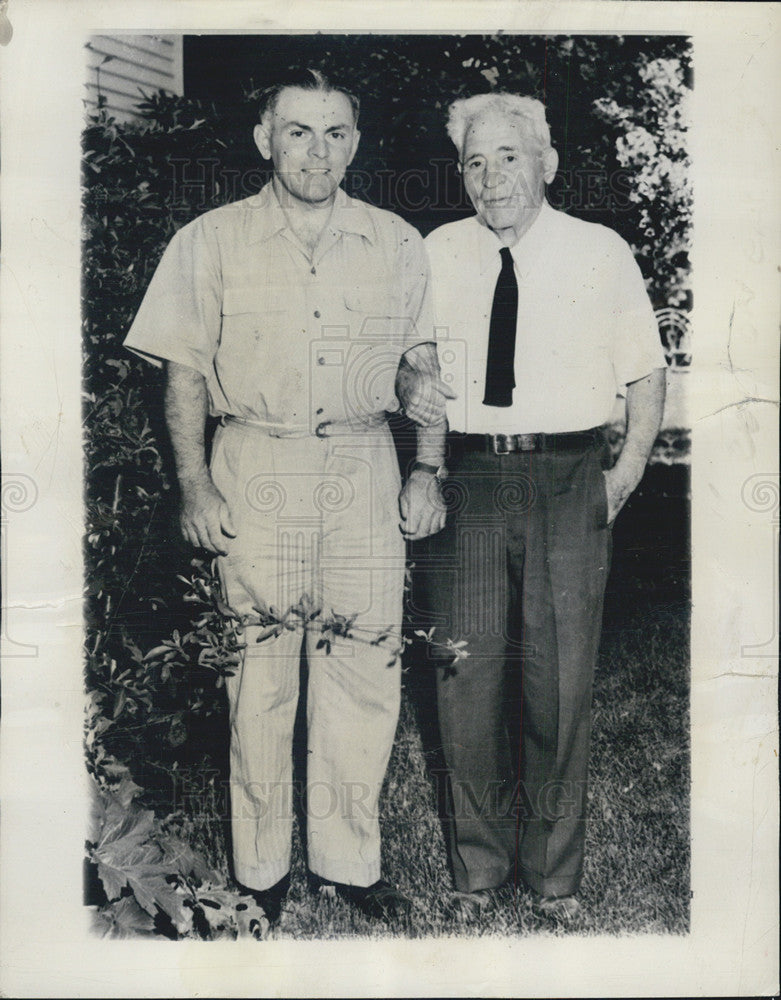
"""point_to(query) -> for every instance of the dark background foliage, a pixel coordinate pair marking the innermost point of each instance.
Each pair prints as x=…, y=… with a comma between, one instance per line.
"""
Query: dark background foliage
x=405, y=82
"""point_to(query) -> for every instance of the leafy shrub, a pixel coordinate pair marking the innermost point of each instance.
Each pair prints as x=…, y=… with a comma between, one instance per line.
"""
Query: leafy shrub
x=153, y=882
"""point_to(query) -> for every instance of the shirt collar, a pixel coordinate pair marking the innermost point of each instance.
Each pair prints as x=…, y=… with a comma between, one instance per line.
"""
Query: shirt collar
x=526, y=252
x=268, y=217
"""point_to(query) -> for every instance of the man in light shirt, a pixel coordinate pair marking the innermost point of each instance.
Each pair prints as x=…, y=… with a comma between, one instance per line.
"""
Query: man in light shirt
x=290, y=315
x=542, y=319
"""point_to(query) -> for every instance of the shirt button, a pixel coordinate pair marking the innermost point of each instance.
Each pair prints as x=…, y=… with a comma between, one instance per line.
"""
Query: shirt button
x=317, y=314
x=321, y=360
x=313, y=271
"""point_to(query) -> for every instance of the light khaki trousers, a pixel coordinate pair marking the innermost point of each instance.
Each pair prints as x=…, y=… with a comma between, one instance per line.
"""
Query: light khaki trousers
x=315, y=516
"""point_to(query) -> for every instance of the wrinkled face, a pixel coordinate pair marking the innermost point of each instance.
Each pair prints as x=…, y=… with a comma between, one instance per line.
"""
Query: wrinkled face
x=505, y=173
x=311, y=138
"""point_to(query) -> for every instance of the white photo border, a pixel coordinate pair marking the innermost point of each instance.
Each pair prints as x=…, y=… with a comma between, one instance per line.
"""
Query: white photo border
x=732, y=947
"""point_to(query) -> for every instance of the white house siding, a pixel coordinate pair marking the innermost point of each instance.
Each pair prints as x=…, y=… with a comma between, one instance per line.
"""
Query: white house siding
x=122, y=68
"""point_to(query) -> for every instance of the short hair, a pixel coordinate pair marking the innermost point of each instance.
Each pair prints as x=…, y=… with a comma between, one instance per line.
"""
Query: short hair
x=462, y=113
x=304, y=79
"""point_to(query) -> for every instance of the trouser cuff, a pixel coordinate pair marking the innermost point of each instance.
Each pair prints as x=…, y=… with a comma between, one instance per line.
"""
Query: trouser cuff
x=260, y=877
x=560, y=885
x=349, y=873
x=480, y=878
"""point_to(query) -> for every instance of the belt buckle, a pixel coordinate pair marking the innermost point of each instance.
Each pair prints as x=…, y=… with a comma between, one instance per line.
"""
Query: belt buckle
x=528, y=442
x=495, y=439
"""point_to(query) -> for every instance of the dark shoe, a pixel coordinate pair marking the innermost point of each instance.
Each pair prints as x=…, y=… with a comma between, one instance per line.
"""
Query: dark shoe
x=270, y=899
x=379, y=901
x=474, y=904
x=561, y=909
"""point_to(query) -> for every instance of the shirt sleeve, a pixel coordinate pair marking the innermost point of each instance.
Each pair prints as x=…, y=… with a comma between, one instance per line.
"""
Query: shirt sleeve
x=179, y=317
x=417, y=295
x=419, y=372
x=637, y=347
x=416, y=385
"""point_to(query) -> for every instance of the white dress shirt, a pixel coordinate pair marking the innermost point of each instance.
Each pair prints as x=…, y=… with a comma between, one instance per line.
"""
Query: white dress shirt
x=586, y=327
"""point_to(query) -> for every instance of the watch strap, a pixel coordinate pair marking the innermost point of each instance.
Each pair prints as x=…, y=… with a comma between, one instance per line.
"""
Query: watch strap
x=436, y=470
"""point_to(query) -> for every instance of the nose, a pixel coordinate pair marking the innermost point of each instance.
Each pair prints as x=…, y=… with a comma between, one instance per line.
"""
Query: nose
x=493, y=178
x=318, y=147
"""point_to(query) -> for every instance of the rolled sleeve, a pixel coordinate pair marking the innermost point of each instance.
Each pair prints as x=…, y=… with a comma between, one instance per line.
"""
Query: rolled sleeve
x=637, y=348
x=417, y=300
x=416, y=385
x=179, y=317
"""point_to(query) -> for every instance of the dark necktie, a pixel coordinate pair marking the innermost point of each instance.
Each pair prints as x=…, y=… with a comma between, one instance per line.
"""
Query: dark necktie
x=499, y=370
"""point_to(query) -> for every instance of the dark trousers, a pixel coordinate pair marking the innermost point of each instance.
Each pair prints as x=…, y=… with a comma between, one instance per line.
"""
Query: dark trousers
x=518, y=574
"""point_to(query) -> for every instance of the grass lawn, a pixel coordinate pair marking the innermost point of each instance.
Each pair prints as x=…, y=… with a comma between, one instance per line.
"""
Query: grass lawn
x=636, y=877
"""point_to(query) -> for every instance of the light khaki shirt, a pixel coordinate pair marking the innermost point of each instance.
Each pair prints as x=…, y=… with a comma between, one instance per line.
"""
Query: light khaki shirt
x=279, y=337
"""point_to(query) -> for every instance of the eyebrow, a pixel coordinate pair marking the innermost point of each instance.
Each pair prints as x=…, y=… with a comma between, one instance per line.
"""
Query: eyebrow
x=308, y=128
x=500, y=149
x=517, y=150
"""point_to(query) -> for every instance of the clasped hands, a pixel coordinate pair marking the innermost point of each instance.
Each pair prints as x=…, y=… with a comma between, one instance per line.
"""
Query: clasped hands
x=421, y=506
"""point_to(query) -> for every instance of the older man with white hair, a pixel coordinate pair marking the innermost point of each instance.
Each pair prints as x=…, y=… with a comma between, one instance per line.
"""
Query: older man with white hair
x=550, y=320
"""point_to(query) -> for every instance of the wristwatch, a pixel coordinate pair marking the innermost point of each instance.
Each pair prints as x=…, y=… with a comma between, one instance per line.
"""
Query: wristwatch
x=436, y=470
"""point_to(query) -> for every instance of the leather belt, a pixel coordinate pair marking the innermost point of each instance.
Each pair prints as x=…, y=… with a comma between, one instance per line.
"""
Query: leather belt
x=505, y=444
x=328, y=428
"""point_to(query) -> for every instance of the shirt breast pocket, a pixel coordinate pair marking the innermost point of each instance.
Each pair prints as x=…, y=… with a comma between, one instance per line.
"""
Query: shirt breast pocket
x=246, y=310
x=253, y=328
x=371, y=310
x=370, y=298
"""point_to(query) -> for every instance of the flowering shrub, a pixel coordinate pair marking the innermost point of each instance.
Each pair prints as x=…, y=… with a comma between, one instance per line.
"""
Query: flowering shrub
x=651, y=142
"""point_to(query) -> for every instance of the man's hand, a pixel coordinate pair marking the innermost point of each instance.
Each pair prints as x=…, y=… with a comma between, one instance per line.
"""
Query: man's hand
x=644, y=408
x=204, y=518
x=420, y=388
x=421, y=506
x=424, y=395
x=618, y=492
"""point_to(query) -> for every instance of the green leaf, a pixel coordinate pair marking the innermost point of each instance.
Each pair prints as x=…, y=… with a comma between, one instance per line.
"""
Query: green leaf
x=123, y=919
x=267, y=633
x=151, y=890
x=182, y=858
x=119, y=702
x=127, y=790
x=157, y=651
x=114, y=880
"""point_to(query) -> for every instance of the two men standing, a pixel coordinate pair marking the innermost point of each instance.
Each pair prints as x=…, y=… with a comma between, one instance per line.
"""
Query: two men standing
x=298, y=316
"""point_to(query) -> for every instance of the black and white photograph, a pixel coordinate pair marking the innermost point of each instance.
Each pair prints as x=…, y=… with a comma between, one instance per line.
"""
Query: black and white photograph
x=386, y=463
x=433, y=292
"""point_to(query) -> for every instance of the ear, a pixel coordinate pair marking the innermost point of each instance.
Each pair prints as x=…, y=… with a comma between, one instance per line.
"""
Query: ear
x=354, y=147
x=261, y=136
x=550, y=163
